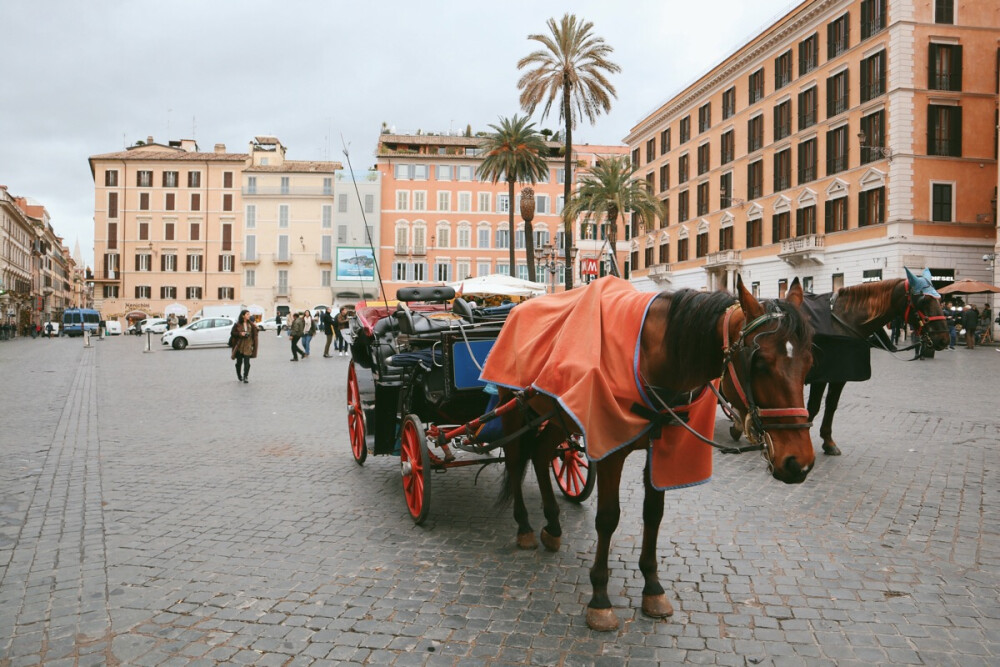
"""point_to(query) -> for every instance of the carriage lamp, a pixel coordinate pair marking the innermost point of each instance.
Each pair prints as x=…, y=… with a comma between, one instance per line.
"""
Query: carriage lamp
x=878, y=150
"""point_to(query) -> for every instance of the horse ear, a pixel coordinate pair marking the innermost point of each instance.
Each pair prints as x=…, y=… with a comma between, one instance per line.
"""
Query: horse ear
x=794, y=295
x=751, y=307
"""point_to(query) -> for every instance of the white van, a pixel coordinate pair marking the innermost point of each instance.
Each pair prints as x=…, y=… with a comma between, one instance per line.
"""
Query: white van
x=113, y=328
x=230, y=311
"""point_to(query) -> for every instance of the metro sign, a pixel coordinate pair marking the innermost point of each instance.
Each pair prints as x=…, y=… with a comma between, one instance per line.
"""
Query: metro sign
x=588, y=266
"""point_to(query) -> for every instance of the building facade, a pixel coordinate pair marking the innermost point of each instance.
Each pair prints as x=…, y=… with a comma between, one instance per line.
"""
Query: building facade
x=847, y=140
x=358, y=228
x=18, y=296
x=441, y=223
x=168, y=223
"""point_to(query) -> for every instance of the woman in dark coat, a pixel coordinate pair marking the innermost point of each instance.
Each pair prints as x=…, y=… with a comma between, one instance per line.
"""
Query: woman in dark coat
x=244, y=338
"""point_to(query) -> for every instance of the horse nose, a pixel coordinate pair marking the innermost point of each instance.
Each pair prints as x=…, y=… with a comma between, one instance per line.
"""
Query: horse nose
x=792, y=470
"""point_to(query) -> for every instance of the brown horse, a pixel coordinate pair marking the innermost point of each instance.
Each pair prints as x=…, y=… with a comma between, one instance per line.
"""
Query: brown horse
x=687, y=339
x=862, y=310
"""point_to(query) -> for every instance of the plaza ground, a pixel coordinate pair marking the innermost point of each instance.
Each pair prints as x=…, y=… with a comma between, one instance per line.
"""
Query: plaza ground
x=154, y=511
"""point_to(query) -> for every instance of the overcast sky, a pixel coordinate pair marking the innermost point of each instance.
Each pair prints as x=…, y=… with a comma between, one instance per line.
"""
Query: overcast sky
x=83, y=78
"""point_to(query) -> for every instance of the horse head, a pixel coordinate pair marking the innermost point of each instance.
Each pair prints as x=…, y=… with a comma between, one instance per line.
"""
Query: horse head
x=923, y=310
x=765, y=370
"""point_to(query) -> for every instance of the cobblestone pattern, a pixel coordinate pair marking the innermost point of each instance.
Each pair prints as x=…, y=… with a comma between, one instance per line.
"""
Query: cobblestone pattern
x=153, y=511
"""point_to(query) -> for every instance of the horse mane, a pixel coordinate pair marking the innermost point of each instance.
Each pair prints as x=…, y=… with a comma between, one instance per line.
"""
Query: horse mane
x=873, y=299
x=794, y=325
x=691, y=323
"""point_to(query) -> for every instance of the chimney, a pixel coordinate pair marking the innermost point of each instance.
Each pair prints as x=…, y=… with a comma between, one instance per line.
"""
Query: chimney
x=220, y=148
x=149, y=139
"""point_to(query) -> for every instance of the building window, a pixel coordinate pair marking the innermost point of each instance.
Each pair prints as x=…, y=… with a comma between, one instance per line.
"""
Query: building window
x=111, y=178
x=808, y=54
x=502, y=239
x=726, y=238
x=726, y=190
x=648, y=256
x=284, y=184
x=782, y=120
x=755, y=179
x=465, y=173
x=838, y=36
x=194, y=263
x=325, y=276
x=682, y=169
x=783, y=70
x=945, y=70
x=194, y=292
x=194, y=179
x=112, y=204
x=226, y=293
x=682, y=206
x=168, y=231
x=283, y=216
x=756, y=87
x=871, y=207
x=942, y=198
x=703, y=195
x=170, y=179
x=419, y=200
x=227, y=202
x=665, y=219
x=168, y=203
x=836, y=150
x=442, y=271
x=168, y=262
x=144, y=179
x=143, y=201
x=420, y=172
x=143, y=262
x=664, y=177
x=227, y=236
x=805, y=221
x=444, y=201
x=664, y=254
x=251, y=185
x=685, y=128
x=227, y=179
x=704, y=117
x=781, y=226
x=195, y=231
x=704, y=158
x=872, y=17
x=143, y=231
x=873, y=76
x=682, y=250
x=464, y=237
x=944, y=130
x=701, y=245
x=783, y=170
x=729, y=102
x=542, y=204
x=444, y=237
x=483, y=237
x=195, y=201
x=635, y=157
x=755, y=233
x=283, y=282
x=807, y=108
x=727, y=148
x=168, y=292
x=369, y=203
x=503, y=203
x=650, y=150
x=442, y=172
x=807, y=161
x=755, y=133
x=836, y=215
x=837, y=94
x=519, y=239
x=250, y=277
x=327, y=216
x=944, y=11
x=873, y=129
x=664, y=142
x=111, y=291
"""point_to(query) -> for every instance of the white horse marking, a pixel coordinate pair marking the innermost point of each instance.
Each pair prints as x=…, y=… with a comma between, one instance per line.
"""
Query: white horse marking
x=789, y=349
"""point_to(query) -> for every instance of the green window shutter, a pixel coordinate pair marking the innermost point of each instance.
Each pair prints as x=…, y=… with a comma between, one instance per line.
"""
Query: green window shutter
x=955, y=131
x=956, y=68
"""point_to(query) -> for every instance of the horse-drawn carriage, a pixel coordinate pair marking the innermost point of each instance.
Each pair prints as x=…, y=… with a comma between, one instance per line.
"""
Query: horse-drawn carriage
x=413, y=391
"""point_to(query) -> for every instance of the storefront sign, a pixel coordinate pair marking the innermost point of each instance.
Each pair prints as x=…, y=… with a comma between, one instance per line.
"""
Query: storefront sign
x=588, y=266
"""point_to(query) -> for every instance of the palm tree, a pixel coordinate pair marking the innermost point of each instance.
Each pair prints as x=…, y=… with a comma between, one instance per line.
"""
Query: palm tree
x=513, y=153
x=572, y=64
x=609, y=189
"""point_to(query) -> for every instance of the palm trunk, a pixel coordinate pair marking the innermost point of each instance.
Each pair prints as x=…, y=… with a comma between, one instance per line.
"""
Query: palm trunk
x=568, y=185
x=613, y=242
x=510, y=218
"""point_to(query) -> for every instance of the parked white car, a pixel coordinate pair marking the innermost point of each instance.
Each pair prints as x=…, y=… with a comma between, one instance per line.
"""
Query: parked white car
x=113, y=328
x=270, y=325
x=205, y=332
x=153, y=325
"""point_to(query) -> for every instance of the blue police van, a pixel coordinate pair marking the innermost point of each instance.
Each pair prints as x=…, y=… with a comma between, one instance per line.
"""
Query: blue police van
x=78, y=320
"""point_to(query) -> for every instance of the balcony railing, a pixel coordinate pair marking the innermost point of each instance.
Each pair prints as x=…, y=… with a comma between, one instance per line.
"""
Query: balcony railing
x=249, y=259
x=106, y=276
x=802, y=249
x=661, y=272
x=324, y=258
x=419, y=250
x=282, y=259
x=402, y=250
x=723, y=258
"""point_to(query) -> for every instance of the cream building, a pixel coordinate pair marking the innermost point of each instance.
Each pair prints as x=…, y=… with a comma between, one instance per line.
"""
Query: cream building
x=357, y=221
x=289, y=257
x=847, y=140
x=17, y=237
x=168, y=223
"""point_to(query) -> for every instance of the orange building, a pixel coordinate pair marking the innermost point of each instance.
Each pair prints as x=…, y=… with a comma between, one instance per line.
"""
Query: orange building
x=440, y=223
x=847, y=140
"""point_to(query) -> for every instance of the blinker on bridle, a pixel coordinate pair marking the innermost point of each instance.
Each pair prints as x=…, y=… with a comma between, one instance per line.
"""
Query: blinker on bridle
x=912, y=296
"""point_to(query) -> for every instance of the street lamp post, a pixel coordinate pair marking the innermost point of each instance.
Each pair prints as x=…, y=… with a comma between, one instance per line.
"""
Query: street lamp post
x=546, y=259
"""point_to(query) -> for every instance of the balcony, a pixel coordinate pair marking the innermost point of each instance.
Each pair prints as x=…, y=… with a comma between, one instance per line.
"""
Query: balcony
x=660, y=273
x=106, y=276
x=282, y=259
x=324, y=258
x=724, y=259
x=249, y=259
x=419, y=250
x=402, y=250
x=808, y=249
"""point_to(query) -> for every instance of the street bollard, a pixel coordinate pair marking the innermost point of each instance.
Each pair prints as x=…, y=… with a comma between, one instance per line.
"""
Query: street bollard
x=148, y=339
x=86, y=338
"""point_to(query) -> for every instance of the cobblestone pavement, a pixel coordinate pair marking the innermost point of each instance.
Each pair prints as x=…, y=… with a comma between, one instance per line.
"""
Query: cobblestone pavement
x=153, y=511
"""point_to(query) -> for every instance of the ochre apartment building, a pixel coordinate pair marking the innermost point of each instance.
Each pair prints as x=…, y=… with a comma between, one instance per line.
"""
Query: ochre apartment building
x=847, y=140
x=441, y=223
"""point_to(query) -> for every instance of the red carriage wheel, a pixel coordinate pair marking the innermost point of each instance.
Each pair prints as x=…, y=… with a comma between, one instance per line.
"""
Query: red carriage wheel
x=415, y=465
x=356, y=417
x=574, y=476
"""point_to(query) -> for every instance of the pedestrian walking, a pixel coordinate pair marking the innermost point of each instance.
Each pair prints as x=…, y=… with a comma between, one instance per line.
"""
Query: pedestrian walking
x=277, y=324
x=308, y=331
x=340, y=326
x=970, y=318
x=328, y=326
x=243, y=341
x=48, y=330
x=295, y=334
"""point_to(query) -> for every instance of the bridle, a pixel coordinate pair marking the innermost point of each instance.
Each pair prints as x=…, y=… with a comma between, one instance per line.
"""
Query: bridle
x=741, y=354
x=922, y=319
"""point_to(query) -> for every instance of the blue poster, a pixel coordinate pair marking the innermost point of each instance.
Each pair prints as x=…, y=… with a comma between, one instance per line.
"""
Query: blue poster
x=355, y=264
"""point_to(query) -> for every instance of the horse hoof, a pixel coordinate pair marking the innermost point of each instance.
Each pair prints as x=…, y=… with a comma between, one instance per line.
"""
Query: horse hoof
x=527, y=541
x=602, y=620
x=550, y=543
x=831, y=449
x=657, y=606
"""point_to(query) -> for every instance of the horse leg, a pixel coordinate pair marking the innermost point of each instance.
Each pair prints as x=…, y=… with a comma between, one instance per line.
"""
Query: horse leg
x=600, y=615
x=826, y=429
x=541, y=459
x=654, y=598
x=816, y=390
x=515, y=460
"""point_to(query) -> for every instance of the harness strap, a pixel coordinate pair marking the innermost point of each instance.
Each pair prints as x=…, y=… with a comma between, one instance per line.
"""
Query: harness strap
x=658, y=419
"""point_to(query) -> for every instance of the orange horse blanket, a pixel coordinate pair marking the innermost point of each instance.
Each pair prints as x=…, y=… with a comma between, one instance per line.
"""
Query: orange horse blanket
x=581, y=347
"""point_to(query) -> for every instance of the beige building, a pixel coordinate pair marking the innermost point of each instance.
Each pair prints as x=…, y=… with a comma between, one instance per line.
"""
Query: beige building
x=17, y=241
x=168, y=223
x=289, y=236
x=847, y=140
x=441, y=223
